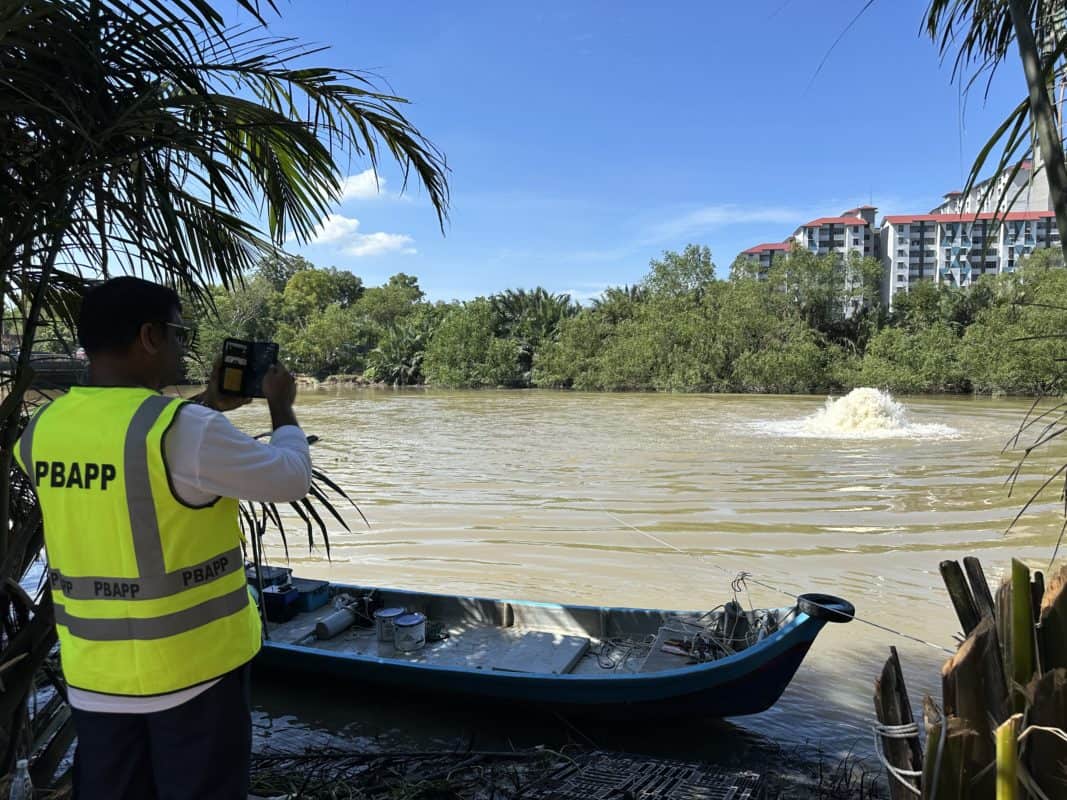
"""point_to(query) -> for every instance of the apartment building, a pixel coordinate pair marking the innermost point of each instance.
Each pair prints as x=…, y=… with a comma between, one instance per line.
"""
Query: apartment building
x=764, y=255
x=1026, y=190
x=852, y=232
x=958, y=248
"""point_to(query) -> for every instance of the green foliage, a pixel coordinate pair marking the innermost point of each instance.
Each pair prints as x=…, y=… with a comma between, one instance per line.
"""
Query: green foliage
x=531, y=319
x=310, y=290
x=247, y=314
x=818, y=324
x=572, y=360
x=154, y=138
x=1026, y=329
x=386, y=305
x=277, y=268
x=397, y=360
x=744, y=268
x=677, y=274
x=925, y=360
x=330, y=341
x=465, y=352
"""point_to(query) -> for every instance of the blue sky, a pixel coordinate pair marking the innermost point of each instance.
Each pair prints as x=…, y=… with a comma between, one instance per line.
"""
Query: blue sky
x=585, y=138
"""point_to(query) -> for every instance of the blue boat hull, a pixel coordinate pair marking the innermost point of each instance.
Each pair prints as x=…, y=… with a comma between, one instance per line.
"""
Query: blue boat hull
x=747, y=682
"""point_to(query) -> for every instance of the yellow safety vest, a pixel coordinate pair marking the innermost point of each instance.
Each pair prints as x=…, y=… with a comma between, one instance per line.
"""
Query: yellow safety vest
x=150, y=592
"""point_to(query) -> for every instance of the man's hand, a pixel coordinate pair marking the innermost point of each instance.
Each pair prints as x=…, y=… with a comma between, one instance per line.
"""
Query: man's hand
x=279, y=387
x=213, y=398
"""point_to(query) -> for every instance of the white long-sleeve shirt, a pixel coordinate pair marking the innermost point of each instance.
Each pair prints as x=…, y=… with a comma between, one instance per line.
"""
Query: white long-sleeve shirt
x=208, y=458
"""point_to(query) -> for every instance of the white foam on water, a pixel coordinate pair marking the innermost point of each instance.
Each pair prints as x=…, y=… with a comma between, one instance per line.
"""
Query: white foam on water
x=861, y=414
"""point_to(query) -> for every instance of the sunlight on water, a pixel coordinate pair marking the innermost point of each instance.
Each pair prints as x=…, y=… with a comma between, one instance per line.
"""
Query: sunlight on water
x=861, y=414
x=541, y=496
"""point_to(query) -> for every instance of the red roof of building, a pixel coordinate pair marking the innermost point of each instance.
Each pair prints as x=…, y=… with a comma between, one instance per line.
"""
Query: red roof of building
x=953, y=193
x=1011, y=216
x=768, y=246
x=815, y=223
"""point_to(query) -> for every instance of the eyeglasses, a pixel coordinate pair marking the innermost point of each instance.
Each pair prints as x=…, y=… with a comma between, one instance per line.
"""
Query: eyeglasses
x=185, y=334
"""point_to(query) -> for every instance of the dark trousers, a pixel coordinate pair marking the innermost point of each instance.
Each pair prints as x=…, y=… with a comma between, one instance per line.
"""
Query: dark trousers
x=197, y=751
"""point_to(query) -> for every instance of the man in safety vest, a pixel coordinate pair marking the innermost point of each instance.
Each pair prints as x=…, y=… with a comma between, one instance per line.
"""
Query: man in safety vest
x=138, y=492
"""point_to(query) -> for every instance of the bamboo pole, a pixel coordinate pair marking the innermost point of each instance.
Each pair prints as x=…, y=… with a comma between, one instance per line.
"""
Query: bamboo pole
x=1022, y=633
x=1008, y=759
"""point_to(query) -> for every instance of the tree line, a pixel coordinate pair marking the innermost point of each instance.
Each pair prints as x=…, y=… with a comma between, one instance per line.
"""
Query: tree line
x=812, y=324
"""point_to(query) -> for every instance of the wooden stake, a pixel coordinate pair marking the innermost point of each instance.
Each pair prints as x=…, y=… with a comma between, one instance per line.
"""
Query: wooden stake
x=1037, y=591
x=1052, y=632
x=893, y=707
x=960, y=593
x=983, y=598
x=1044, y=753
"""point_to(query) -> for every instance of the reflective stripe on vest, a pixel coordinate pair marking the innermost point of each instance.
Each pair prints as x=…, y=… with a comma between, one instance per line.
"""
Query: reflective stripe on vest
x=117, y=630
x=146, y=542
x=150, y=588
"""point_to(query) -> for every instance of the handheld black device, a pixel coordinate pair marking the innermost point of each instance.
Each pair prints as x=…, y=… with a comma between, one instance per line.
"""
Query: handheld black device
x=244, y=364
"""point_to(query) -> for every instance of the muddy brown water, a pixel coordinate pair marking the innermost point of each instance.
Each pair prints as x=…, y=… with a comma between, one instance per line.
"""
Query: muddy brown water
x=535, y=495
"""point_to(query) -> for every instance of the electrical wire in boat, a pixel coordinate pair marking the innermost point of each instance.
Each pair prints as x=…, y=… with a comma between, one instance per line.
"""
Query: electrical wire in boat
x=741, y=578
x=615, y=654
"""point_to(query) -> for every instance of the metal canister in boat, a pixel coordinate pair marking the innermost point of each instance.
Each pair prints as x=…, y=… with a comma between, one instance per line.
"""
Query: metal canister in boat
x=410, y=632
x=383, y=621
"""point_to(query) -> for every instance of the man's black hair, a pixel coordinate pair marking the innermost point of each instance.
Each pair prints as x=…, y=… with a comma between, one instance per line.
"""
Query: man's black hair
x=113, y=312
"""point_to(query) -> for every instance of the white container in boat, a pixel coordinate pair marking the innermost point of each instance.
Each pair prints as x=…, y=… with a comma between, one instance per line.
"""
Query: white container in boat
x=335, y=623
x=410, y=632
x=383, y=621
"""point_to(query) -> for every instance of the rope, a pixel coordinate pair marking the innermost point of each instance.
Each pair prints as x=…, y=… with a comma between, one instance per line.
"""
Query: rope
x=738, y=581
x=909, y=730
x=1045, y=729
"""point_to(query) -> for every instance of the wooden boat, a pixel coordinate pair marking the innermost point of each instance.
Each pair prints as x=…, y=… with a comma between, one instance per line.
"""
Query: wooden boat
x=722, y=663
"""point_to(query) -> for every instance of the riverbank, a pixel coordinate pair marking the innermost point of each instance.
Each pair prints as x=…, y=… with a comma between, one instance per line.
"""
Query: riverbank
x=574, y=773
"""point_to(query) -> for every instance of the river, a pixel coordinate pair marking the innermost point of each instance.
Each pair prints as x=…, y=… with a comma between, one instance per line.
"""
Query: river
x=542, y=495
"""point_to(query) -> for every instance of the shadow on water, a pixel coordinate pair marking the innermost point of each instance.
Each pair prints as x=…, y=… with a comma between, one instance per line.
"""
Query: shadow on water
x=296, y=714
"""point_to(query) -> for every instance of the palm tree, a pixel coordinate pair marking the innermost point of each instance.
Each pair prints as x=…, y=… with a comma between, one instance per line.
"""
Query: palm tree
x=397, y=359
x=530, y=318
x=148, y=137
x=617, y=303
x=982, y=33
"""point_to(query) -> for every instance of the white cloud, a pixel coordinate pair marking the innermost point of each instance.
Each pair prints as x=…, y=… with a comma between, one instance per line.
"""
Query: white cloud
x=363, y=186
x=335, y=228
x=373, y=244
x=714, y=216
x=343, y=232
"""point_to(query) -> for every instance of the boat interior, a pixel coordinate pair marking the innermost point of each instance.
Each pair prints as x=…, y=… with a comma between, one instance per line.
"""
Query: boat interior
x=516, y=636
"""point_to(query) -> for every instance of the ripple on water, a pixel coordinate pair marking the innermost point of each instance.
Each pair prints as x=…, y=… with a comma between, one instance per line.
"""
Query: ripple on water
x=537, y=495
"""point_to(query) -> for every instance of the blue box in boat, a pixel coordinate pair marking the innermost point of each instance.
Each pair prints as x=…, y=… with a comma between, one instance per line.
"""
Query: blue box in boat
x=280, y=602
x=272, y=576
x=313, y=594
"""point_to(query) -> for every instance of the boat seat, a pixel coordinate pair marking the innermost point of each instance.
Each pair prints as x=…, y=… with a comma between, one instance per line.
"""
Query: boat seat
x=542, y=652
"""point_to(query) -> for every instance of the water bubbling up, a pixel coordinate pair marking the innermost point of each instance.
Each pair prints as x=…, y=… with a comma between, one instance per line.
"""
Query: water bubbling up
x=863, y=413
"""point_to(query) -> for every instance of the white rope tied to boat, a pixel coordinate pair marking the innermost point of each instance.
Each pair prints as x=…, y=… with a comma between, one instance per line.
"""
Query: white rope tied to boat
x=740, y=578
x=908, y=730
